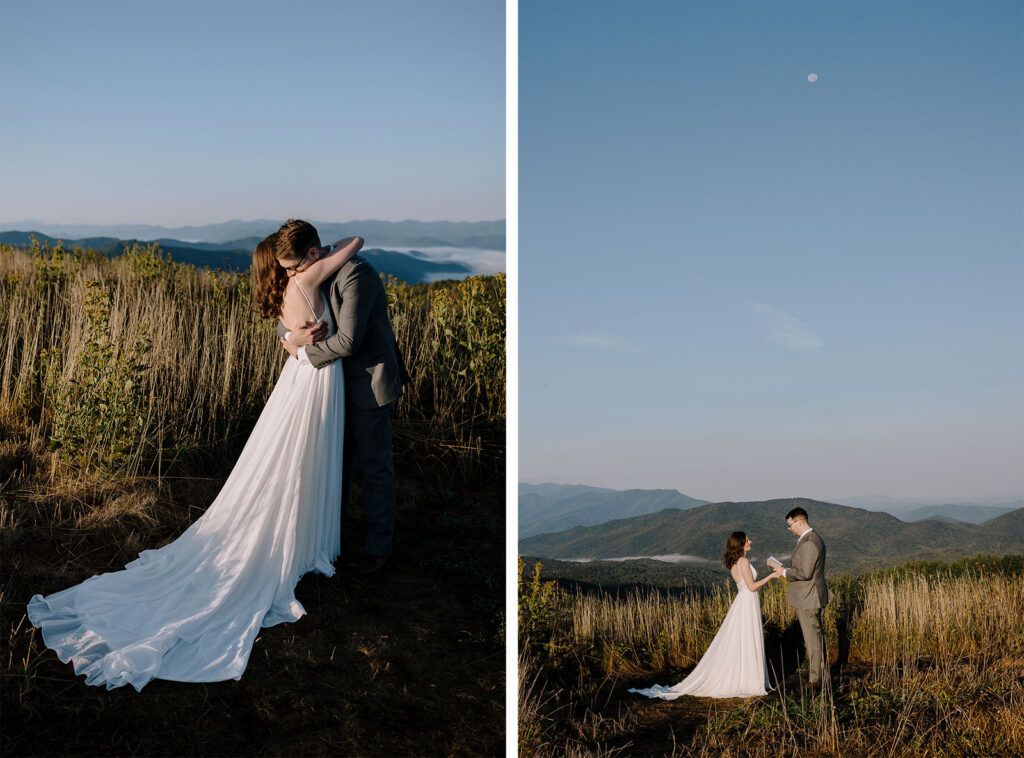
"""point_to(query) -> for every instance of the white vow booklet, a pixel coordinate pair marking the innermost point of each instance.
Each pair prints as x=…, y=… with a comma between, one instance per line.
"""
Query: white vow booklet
x=773, y=561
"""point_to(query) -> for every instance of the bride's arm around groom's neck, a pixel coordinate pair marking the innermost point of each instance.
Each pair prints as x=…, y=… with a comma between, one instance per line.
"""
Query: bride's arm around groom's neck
x=329, y=264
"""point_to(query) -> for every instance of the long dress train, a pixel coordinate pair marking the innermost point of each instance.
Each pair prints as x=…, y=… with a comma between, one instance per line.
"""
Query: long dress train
x=190, y=611
x=734, y=664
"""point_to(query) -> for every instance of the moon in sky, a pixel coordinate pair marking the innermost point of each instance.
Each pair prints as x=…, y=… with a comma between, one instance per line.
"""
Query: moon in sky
x=812, y=78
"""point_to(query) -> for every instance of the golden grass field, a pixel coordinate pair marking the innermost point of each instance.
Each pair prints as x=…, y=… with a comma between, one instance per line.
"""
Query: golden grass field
x=923, y=663
x=127, y=389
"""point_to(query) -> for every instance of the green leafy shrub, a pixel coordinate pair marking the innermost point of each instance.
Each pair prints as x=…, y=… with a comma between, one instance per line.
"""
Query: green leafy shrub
x=99, y=408
x=537, y=600
x=206, y=363
x=148, y=262
x=468, y=346
x=49, y=263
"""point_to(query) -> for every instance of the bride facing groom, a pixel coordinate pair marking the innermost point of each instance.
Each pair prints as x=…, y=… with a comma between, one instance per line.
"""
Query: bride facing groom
x=190, y=611
x=735, y=665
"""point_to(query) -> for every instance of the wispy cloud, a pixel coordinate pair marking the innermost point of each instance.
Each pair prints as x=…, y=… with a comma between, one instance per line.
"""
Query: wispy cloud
x=597, y=341
x=785, y=330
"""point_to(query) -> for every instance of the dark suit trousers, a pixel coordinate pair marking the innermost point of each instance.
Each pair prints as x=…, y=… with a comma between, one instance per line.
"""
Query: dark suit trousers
x=368, y=445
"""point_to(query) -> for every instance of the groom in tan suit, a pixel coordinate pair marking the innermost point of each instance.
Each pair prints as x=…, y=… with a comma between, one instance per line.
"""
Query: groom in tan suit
x=806, y=590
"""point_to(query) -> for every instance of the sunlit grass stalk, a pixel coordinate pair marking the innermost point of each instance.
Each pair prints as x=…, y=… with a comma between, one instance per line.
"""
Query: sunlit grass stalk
x=944, y=657
x=210, y=362
x=944, y=618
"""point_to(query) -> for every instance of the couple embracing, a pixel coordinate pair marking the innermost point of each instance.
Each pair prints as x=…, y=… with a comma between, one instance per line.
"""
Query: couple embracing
x=190, y=611
x=734, y=665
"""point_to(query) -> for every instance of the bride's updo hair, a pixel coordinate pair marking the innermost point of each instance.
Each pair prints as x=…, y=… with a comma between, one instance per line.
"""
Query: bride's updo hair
x=268, y=279
x=734, y=548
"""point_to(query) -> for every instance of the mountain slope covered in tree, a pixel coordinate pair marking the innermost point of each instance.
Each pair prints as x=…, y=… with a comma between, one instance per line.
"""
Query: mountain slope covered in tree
x=856, y=539
x=622, y=576
x=411, y=268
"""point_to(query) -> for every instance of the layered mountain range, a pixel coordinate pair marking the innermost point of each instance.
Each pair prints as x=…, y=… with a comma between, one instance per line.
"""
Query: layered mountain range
x=236, y=255
x=857, y=539
x=488, y=235
x=975, y=512
x=555, y=507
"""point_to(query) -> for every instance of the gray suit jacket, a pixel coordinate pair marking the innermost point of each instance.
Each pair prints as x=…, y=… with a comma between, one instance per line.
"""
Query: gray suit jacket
x=805, y=579
x=374, y=371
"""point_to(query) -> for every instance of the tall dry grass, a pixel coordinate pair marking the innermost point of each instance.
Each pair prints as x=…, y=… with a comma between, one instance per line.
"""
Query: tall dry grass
x=922, y=665
x=127, y=389
x=137, y=364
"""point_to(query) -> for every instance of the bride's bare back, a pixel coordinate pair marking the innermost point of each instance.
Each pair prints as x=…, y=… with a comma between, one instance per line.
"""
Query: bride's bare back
x=295, y=309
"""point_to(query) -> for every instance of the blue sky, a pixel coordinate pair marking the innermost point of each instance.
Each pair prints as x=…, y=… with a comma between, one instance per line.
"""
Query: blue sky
x=743, y=285
x=197, y=112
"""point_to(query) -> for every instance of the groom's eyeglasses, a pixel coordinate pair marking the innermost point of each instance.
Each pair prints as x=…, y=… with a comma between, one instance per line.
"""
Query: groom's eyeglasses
x=297, y=267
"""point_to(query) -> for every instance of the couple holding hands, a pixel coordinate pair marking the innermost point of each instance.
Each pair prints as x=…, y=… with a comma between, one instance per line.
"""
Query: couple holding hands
x=734, y=664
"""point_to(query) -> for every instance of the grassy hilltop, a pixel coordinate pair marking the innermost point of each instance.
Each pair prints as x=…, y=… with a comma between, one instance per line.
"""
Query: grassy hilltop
x=926, y=659
x=127, y=389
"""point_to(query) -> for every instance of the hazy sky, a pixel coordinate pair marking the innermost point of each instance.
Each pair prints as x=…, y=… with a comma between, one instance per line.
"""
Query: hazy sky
x=195, y=112
x=743, y=284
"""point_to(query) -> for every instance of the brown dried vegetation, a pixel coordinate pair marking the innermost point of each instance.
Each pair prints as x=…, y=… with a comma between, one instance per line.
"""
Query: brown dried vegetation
x=408, y=662
x=922, y=664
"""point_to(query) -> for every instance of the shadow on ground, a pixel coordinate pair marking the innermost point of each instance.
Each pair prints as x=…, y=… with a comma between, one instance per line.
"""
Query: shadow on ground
x=410, y=662
x=656, y=727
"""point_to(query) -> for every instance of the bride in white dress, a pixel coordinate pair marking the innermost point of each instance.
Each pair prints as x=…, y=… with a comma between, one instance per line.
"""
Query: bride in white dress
x=734, y=664
x=190, y=611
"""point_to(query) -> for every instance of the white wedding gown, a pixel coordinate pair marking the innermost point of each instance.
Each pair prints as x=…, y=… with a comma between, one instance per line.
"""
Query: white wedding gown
x=734, y=664
x=190, y=611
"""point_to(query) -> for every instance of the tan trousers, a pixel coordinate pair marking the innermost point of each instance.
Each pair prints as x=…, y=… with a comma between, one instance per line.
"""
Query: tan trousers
x=814, y=641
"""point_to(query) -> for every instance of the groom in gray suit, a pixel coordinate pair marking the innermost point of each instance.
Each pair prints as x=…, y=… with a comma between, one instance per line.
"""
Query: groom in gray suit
x=806, y=590
x=374, y=375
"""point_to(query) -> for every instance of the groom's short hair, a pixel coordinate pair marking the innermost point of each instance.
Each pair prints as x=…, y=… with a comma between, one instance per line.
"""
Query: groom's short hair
x=797, y=513
x=295, y=237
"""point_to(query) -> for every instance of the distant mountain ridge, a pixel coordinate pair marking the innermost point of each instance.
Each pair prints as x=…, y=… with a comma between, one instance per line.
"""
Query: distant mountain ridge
x=560, y=491
x=974, y=511
x=856, y=539
x=412, y=267
x=555, y=507
x=968, y=514
x=488, y=235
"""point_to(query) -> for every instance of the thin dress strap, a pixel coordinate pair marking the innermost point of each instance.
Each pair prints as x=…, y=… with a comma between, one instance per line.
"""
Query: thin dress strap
x=315, y=317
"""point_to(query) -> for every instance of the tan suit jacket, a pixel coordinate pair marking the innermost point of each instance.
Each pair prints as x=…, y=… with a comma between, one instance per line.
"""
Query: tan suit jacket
x=805, y=579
